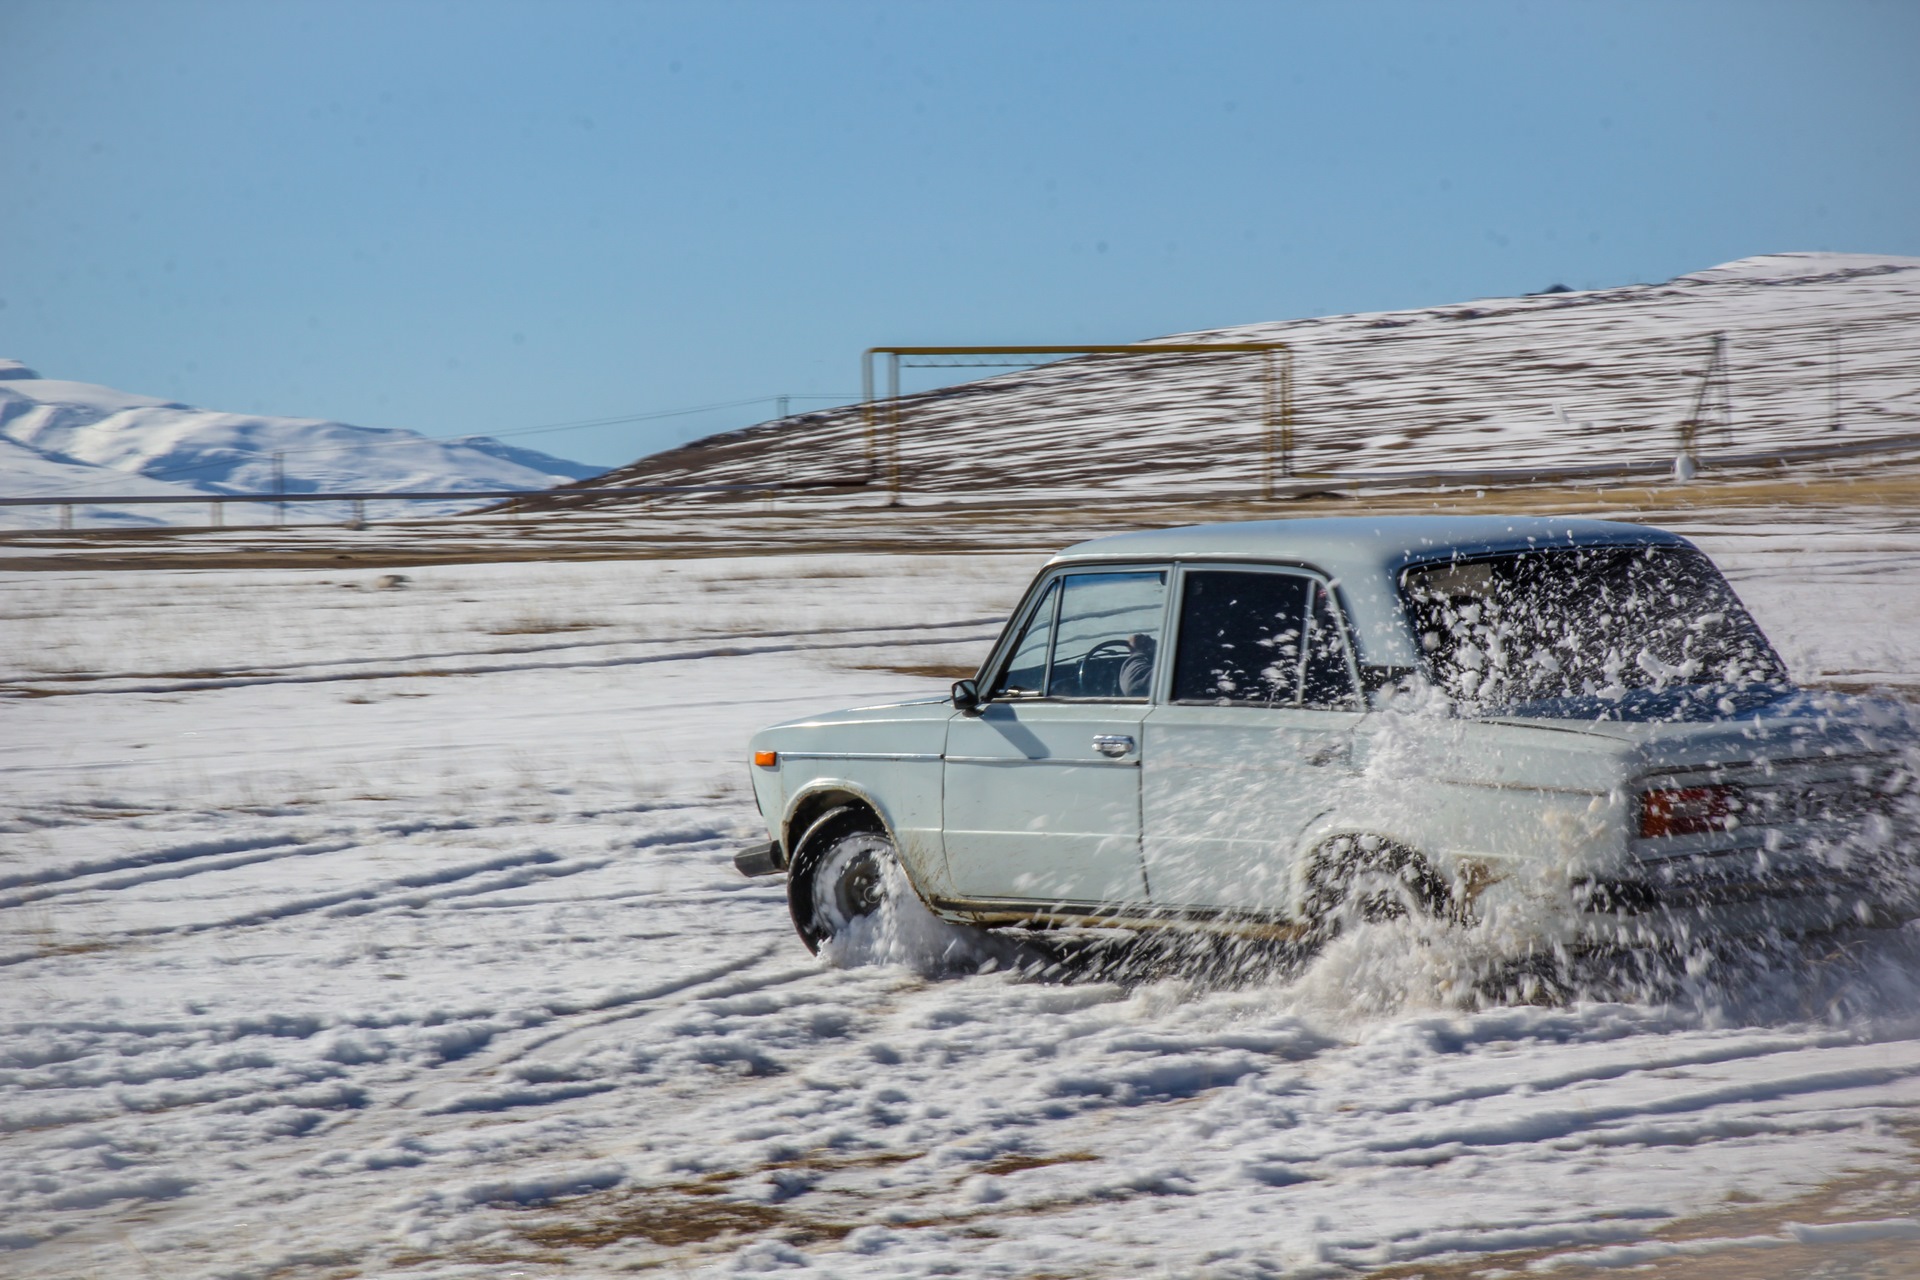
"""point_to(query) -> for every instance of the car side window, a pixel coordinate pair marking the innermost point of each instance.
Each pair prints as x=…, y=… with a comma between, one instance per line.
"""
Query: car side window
x=1108, y=634
x=1092, y=635
x=1240, y=638
x=1326, y=678
x=1261, y=640
x=1026, y=673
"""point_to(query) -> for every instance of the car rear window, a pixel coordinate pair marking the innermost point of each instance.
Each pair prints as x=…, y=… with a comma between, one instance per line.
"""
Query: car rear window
x=1501, y=631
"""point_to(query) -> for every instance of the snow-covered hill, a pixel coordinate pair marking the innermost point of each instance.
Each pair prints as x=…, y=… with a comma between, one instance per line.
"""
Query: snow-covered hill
x=75, y=438
x=1819, y=355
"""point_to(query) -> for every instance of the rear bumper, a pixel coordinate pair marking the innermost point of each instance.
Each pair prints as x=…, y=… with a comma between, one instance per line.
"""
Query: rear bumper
x=1807, y=875
x=1755, y=912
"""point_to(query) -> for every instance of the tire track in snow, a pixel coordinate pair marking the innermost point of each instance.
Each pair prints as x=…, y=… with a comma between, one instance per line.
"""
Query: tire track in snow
x=435, y=1103
x=334, y=664
x=519, y=870
x=1601, y=1072
x=165, y=864
x=387, y=895
x=669, y=997
x=1555, y=1124
x=212, y=856
x=40, y=688
x=622, y=1010
x=218, y=1079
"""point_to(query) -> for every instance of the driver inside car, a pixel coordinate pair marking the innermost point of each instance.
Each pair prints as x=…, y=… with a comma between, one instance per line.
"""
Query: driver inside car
x=1136, y=673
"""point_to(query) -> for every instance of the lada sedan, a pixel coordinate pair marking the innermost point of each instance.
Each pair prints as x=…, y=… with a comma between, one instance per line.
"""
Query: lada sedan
x=1570, y=725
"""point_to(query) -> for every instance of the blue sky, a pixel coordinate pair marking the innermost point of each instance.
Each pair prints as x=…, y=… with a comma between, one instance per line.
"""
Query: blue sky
x=489, y=217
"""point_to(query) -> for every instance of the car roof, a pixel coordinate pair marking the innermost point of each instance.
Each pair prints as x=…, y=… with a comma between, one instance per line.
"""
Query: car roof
x=1365, y=554
x=1346, y=544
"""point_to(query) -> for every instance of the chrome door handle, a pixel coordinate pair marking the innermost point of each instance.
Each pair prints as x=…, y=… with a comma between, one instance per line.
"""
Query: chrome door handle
x=1114, y=745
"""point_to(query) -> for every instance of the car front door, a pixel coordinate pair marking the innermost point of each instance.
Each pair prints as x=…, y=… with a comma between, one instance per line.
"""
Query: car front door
x=1042, y=783
x=1253, y=740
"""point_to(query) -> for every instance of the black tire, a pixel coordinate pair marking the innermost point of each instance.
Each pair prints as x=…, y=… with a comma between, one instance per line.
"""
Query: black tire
x=1372, y=879
x=843, y=869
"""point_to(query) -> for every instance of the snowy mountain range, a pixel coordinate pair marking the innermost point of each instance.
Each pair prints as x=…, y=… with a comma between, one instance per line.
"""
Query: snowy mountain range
x=74, y=438
x=1818, y=356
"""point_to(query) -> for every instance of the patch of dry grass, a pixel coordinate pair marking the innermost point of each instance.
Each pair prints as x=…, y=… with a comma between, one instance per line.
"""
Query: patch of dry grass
x=1018, y=1161
x=939, y=523
x=705, y=1211
x=666, y=1217
x=537, y=624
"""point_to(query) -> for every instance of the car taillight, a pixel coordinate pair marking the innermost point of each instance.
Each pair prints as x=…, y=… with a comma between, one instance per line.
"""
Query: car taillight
x=1688, y=811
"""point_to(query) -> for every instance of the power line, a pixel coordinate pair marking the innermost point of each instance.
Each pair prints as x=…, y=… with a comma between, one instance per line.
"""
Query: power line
x=666, y=413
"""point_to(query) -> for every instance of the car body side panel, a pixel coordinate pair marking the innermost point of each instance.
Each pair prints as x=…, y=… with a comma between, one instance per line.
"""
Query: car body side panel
x=881, y=785
x=1035, y=812
x=1461, y=790
x=887, y=756
x=1226, y=792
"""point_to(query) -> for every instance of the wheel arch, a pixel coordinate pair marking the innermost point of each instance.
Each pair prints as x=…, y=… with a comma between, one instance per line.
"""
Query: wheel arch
x=820, y=797
x=818, y=806
x=808, y=805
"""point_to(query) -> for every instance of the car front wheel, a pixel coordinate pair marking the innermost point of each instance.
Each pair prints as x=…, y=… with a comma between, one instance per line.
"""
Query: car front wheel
x=843, y=871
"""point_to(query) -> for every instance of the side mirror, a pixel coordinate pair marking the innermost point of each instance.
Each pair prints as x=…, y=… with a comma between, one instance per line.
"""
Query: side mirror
x=966, y=696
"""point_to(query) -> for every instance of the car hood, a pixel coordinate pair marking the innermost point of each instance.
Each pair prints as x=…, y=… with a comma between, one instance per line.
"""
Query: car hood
x=935, y=707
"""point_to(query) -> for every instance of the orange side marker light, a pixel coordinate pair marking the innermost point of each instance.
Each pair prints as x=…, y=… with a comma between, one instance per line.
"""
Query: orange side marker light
x=766, y=759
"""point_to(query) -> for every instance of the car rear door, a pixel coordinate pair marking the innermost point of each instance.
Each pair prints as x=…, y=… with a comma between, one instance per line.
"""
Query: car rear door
x=1253, y=740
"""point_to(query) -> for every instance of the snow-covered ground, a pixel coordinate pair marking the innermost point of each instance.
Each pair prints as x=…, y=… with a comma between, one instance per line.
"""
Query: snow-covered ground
x=75, y=439
x=354, y=929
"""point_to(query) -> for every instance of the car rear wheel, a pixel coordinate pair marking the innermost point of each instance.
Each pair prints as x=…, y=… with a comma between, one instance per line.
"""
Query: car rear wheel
x=843, y=871
x=1370, y=879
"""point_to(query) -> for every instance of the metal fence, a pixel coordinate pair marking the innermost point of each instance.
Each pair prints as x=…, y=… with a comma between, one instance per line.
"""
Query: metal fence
x=540, y=499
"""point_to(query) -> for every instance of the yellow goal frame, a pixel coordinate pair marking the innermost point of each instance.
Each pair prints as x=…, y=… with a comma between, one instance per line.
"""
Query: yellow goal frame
x=884, y=415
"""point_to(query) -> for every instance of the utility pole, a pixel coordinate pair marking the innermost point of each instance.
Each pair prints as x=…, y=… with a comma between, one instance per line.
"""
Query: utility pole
x=781, y=446
x=1713, y=399
x=280, y=485
x=1833, y=381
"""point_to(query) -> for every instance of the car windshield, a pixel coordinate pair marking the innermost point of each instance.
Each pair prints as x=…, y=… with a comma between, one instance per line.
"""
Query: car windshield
x=1582, y=622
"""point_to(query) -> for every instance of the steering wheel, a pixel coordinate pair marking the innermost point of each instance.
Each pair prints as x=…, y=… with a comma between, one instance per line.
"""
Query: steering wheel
x=1106, y=648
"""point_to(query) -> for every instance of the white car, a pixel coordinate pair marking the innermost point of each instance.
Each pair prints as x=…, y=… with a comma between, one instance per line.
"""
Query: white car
x=1265, y=726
